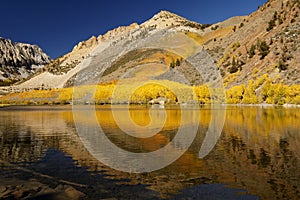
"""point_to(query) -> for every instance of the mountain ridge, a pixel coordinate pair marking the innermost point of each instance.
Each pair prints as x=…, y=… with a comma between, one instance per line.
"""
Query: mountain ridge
x=229, y=43
x=19, y=60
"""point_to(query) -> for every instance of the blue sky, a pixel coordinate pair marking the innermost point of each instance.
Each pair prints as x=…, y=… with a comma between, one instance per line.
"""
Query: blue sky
x=56, y=26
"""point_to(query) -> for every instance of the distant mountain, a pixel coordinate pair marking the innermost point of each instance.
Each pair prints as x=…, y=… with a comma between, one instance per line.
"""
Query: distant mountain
x=19, y=61
x=243, y=48
x=62, y=71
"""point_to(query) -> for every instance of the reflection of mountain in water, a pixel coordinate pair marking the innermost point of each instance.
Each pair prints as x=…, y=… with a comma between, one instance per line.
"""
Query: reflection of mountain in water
x=258, y=150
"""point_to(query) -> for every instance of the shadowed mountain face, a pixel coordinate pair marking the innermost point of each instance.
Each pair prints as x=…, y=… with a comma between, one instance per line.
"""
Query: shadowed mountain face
x=19, y=60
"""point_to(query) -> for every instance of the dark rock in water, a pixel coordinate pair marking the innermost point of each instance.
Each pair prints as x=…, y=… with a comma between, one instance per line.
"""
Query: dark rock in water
x=37, y=190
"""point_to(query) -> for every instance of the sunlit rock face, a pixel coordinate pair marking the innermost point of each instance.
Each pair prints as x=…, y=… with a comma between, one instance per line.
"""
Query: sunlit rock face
x=19, y=60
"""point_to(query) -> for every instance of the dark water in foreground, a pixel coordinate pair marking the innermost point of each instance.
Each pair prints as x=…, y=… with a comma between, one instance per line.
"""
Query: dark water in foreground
x=256, y=157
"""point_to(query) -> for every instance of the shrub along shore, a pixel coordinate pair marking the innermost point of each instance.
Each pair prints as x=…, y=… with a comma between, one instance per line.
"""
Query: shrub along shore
x=260, y=91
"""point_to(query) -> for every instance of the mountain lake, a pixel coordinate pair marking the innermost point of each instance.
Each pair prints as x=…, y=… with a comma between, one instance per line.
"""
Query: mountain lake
x=56, y=152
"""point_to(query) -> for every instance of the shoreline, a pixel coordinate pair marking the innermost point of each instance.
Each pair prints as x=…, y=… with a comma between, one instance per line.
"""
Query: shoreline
x=8, y=107
x=4, y=105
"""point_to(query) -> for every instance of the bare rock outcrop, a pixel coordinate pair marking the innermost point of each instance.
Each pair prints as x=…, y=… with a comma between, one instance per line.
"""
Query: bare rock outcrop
x=20, y=60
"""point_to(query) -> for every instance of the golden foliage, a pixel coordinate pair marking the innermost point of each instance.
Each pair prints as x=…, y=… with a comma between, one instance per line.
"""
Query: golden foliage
x=235, y=94
x=209, y=36
x=261, y=90
x=202, y=94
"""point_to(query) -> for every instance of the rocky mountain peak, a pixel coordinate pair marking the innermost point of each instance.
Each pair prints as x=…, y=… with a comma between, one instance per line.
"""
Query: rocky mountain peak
x=166, y=14
x=19, y=60
x=92, y=41
x=166, y=19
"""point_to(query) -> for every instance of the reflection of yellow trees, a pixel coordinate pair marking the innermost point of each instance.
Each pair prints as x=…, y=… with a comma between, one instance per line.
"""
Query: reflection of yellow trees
x=258, y=124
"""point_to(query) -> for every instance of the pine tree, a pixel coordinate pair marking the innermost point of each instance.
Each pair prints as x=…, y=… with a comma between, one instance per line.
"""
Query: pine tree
x=172, y=65
x=264, y=49
x=177, y=62
x=252, y=51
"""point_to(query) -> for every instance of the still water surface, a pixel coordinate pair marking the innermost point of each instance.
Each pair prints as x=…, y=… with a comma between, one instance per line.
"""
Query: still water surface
x=256, y=157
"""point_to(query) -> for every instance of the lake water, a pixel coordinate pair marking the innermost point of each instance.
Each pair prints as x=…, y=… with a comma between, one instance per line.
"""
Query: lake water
x=256, y=156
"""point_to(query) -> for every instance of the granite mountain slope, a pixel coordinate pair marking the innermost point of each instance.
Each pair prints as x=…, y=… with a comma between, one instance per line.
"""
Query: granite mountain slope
x=243, y=48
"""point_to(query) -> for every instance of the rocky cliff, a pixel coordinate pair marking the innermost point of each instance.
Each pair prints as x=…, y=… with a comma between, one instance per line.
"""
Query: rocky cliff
x=19, y=60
